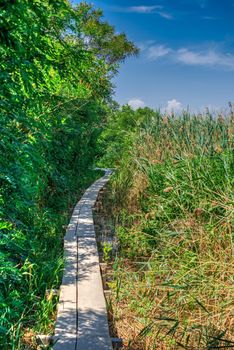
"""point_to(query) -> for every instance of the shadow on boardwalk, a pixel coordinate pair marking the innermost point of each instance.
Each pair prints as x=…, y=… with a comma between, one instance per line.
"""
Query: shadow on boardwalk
x=82, y=316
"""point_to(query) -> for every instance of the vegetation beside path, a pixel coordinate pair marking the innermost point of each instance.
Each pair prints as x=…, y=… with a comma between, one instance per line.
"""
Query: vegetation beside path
x=56, y=65
x=172, y=205
x=171, y=197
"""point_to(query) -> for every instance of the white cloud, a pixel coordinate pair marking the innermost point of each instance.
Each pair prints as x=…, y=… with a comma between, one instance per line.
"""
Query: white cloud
x=165, y=15
x=205, y=58
x=144, y=45
x=196, y=58
x=136, y=103
x=144, y=9
x=157, y=51
x=208, y=57
x=173, y=106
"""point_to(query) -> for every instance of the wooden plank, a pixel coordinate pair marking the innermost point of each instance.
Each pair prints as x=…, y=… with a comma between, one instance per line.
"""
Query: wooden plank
x=93, y=331
x=82, y=316
x=67, y=342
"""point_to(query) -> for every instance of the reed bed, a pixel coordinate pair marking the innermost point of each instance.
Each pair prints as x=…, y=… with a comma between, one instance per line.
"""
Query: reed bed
x=173, y=209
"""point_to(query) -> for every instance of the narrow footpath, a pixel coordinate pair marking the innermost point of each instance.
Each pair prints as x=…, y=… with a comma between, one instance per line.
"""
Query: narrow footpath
x=82, y=316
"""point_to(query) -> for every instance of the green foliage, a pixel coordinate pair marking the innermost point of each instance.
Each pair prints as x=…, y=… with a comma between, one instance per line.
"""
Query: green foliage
x=172, y=199
x=107, y=250
x=56, y=64
x=117, y=138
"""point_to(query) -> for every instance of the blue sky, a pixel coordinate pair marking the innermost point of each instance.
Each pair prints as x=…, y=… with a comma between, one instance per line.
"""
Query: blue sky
x=187, y=52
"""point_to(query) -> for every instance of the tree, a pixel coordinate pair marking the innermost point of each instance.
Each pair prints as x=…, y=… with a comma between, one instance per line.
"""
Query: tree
x=56, y=65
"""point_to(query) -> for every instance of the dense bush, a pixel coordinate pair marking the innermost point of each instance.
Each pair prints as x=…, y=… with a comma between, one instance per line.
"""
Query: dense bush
x=56, y=65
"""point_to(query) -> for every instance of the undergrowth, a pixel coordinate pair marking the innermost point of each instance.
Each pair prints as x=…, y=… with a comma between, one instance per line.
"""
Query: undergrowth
x=57, y=60
x=172, y=202
x=31, y=264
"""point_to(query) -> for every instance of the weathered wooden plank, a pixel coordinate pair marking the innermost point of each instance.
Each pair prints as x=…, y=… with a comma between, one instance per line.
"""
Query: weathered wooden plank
x=66, y=342
x=93, y=331
x=82, y=317
x=66, y=325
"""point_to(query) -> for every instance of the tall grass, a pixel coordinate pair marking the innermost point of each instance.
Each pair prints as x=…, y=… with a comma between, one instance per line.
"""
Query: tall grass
x=173, y=207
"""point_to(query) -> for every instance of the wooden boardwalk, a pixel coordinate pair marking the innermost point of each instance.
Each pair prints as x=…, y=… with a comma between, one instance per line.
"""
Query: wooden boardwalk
x=82, y=317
